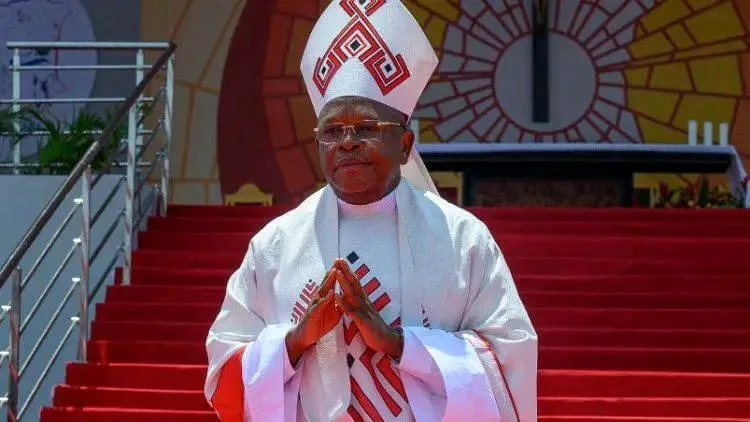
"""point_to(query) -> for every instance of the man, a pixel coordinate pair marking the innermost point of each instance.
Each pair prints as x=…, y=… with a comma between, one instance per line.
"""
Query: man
x=374, y=299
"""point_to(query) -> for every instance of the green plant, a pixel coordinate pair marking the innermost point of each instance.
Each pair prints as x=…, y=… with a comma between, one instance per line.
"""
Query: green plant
x=700, y=195
x=14, y=124
x=64, y=144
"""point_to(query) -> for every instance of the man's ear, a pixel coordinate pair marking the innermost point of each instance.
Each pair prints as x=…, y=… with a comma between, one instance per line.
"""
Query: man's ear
x=407, y=143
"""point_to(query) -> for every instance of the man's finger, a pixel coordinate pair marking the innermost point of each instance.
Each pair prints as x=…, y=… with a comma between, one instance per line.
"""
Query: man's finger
x=345, y=307
x=328, y=282
x=323, y=301
x=349, y=276
x=346, y=285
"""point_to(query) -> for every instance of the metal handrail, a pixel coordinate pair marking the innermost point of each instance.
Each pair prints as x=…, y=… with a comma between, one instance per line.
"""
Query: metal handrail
x=54, y=203
x=73, y=45
x=136, y=209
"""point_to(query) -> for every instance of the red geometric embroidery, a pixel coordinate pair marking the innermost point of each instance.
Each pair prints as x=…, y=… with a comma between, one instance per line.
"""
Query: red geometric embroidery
x=354, y=414
x=381, y=302
x=425, y=319
x=396, y=322
x=351, y=330
x=359, y=39
x=306, y=298
x=384, y=365
x=371, y=286
x=366, y=360
x=361, y=271
x=366, y=404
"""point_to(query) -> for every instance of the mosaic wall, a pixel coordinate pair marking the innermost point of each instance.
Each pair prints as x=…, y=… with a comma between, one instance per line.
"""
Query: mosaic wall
x=622, y=71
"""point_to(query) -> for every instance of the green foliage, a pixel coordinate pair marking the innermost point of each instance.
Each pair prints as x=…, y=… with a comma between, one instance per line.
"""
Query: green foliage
x=15, y=123
x=702, y=197
x=64, y=143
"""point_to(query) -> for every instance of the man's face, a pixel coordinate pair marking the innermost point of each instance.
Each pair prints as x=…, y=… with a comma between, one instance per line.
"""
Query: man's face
x=362, y=169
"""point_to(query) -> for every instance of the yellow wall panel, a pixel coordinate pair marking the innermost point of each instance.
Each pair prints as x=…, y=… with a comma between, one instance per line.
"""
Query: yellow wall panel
x=701, y=4
x=717, y=23
x=673, y=76
x=659, y=133
x=420, y=13
x=717, y=75
x=734, y=46
x=637, y=77
x=655, y=104
x=679, y=36
x=442, y=8
x=435, y=30
x=651, y=45
x=704, y=108
x=665, y=13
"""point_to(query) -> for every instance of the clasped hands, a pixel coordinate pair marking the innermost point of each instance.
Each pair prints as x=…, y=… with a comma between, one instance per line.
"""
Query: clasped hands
x=327, y=308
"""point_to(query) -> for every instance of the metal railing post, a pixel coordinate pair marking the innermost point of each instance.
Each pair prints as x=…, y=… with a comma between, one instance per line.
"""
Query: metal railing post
x=129, y=192
x=16, y=107
x=166, y=167
x=85, y=263
x=139, y=62
x=15, y=343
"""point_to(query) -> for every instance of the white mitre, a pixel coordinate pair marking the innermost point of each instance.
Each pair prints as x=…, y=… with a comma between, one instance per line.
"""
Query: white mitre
x=373, y=49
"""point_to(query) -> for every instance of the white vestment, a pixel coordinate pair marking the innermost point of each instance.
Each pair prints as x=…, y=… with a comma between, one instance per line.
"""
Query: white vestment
x=477, y=360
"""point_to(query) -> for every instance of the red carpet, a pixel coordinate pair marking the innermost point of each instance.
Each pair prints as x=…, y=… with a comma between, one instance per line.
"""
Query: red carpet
x=642, y=314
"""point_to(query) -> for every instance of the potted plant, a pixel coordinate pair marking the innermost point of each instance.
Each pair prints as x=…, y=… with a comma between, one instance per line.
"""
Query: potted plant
x=64, y=143
x=702, y=196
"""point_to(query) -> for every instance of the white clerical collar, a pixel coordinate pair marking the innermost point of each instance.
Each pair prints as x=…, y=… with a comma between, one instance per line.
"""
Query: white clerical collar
x=383, y=206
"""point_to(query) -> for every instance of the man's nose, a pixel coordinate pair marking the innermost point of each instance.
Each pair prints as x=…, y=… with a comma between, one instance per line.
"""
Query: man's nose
x=350, y=142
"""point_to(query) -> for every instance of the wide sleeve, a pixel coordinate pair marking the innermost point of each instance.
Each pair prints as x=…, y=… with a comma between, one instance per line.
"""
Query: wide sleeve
x=487, y=370
x=239, y=340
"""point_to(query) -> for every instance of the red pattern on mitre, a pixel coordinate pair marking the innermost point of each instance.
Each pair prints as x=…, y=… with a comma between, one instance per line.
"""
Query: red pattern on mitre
x=368, y=48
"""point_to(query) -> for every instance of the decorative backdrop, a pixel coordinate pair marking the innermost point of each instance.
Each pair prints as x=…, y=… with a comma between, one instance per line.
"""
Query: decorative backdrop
x=621, y=71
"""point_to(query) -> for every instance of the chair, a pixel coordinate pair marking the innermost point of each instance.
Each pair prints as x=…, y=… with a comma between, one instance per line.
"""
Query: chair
x=248, y=194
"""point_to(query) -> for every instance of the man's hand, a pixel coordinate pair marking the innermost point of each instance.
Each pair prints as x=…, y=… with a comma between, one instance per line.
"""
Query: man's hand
x=354, y=302
x=320, y=318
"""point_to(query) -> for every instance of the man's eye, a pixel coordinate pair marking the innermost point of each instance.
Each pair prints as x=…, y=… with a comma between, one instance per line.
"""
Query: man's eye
x=367, y=127
x=332, y=130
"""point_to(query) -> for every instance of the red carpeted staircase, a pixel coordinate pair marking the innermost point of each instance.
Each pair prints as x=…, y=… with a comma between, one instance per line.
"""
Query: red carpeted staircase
x=642, y=314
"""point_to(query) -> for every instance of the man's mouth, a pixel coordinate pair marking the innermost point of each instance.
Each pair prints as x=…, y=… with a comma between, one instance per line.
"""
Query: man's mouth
x=349, y=162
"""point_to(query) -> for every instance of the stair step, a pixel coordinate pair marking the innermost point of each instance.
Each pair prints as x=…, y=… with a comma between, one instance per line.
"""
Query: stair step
x=629, y=318
x=158, y=352
x=140, y=293
x=588, y=418
x=671, y=215
x=181, y=276
x=164, y=312
x=519, y=245
x=693, y=407
x=148, y=331
x=105, y=397
x=178, y=259
x=558, y=214
x=206, y=224
x=635, y=337
x=616, y=384
x=667, y=283
x=95, y=414
x=132, y=375
x=583, y=228
x=550, y=357
x=202, y=211
x=652, y=300
x=612, y=266
x=645, y=359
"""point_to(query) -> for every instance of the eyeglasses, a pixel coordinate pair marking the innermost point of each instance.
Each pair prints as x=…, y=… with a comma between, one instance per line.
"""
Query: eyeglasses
x=368, y=131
